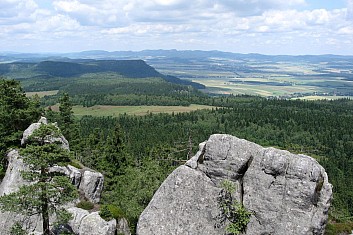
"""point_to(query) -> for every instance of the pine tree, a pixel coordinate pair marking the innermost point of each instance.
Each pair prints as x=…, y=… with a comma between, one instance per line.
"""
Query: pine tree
x=47, y=190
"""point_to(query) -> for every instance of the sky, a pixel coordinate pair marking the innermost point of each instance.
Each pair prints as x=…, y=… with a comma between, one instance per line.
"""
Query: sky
x=290, y=27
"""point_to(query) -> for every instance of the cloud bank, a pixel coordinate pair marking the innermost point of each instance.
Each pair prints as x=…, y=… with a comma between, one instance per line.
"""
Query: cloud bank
x=264, y=26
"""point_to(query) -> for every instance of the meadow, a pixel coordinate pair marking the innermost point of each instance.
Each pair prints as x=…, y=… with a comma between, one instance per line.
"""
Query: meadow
x=41, y=93
x=108, y=110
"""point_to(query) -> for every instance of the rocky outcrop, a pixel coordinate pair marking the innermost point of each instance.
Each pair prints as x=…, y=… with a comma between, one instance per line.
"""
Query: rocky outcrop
x=286, y=193
x=34, y=126
x=89, y=182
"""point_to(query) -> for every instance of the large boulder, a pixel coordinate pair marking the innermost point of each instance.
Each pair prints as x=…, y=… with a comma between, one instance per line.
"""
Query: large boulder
x=286, y=193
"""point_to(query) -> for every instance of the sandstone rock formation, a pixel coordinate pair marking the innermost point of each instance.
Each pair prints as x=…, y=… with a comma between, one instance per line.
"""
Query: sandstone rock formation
x=34, y=126
x=89, y=183
x=286, y=193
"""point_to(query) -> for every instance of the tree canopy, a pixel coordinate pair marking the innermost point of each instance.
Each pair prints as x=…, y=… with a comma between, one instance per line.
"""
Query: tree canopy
x=17, y=112
x=47, y=190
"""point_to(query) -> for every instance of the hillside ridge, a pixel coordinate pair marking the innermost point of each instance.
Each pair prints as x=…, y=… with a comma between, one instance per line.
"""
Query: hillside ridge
x=66, y=69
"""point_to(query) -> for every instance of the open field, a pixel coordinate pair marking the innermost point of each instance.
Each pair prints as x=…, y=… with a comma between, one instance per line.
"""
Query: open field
x=106, y=110
x=42, y=93
x=313, y=97
x=225, y=87
x=287, y=78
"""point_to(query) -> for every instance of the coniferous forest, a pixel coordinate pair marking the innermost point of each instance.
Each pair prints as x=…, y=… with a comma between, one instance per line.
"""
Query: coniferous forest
x=136, y=153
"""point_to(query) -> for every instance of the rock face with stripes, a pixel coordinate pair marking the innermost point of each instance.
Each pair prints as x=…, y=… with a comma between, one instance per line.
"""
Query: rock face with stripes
x=286, y=193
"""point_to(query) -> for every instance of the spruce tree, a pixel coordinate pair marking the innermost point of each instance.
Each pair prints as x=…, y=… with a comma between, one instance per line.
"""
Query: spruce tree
x=66, y=115
x=17, y=112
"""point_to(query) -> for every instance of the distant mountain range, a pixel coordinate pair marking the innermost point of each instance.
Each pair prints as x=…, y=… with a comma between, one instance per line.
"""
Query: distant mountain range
x=148, y=54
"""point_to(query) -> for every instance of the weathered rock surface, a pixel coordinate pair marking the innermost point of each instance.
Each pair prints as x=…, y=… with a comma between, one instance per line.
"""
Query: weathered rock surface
x=91, y=185
x=93, y=224
x=34, y=126
x=12, y=180
x=87, y=223
x=90, y=223
x=122, y=227
x=72, y=172
x=89, y=182
x=286, y=193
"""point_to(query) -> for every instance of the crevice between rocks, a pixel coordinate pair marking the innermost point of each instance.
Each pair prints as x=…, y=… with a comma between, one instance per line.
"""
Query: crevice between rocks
x=201, y=158
x=97, y=185
x=317, y=192
x=241, y=173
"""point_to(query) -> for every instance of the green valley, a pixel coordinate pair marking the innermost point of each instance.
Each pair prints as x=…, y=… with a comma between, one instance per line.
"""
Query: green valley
x=135, y=124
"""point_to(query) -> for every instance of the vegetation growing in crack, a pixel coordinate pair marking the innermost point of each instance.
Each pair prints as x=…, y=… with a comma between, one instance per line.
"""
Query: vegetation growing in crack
x=233, y=213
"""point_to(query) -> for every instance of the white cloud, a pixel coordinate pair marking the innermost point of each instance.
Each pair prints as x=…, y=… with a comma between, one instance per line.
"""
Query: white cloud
x=15, y=11
x=57, y=23
x=346, y=30
x=350, y=9
x=183, y=24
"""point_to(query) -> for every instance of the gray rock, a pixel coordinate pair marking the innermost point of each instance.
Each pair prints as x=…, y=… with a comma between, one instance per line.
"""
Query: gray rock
x=13, y=179
x=8, y=219
x=78, y=214
x=193, y=162
x=122, y=227
x=89, y=182
x=91, y=185
x=72, y=172
x=75, y=175
x=93, y=224
x=186, y=203
x=286, y=193
x=34, y=126
x=85, y=223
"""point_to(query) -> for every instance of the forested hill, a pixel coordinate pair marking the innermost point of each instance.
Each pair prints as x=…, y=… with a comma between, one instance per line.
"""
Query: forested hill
x=127, y=68
x=50, y=69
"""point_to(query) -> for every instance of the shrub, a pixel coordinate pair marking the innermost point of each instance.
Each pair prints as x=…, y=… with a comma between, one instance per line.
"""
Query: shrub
x=108, y=212
x=233, y=212
x=339, y=228
x=75, y=163
x=86, y=205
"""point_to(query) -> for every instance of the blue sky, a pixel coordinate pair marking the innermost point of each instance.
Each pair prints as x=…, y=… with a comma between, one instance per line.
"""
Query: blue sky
x=244, y=26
